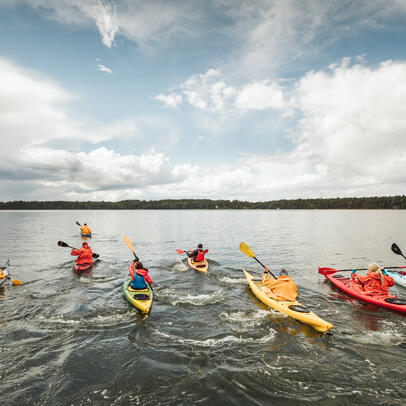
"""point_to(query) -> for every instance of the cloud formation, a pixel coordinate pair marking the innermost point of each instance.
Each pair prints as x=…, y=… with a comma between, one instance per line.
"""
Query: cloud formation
x=348, y=139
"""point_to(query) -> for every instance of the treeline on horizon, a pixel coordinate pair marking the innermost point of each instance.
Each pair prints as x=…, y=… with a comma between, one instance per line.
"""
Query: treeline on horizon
x=385, y=202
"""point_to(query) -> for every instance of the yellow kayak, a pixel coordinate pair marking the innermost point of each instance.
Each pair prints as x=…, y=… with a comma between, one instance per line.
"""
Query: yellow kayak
x=291, y=308
x=200, y=266
x=140, y=298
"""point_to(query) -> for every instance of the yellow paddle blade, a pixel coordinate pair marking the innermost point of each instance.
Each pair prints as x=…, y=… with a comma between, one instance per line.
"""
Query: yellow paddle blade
x=129, y=245
x=245, y=249
x=16, y=282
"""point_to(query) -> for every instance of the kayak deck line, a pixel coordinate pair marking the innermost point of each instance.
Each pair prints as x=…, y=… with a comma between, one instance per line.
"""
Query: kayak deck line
x=292, y=309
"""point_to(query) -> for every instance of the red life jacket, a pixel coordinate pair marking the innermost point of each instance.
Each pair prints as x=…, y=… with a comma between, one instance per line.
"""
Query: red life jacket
x=84, y=254
x=200, y=255
x=141, y=272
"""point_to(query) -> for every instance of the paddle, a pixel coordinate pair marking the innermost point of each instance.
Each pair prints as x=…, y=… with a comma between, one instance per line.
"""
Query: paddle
x=397, y=250
x=80, y=225
x=129, y=245
x=330, y=271
x=245, y=249
x=63, y=244
x=180, y=252
x=13, y=281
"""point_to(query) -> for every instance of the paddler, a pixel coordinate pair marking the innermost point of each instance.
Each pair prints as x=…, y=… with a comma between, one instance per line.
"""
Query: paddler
x=281, y=288
x=198, y=254
x=139, y=275
x=375, y=282
x=84, y=254
x=85, y=229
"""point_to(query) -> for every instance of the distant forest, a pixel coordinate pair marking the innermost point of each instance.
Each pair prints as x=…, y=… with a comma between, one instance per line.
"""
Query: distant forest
x=386, y=202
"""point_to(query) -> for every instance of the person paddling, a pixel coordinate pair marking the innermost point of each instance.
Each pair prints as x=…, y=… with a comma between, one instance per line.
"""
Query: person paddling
x=375, y=282
x=85, y=229
x=281, y=288
x=198, y=254
x=139, y=275
x=84, y=254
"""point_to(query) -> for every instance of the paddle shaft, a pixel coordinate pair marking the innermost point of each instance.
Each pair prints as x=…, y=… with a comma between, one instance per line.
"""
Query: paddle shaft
x=259, y=262
x=366, y=269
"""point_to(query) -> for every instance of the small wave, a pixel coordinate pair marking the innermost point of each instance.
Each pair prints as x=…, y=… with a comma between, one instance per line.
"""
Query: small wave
x=218, y=342
x=96, y=279
x=232, y=281
x=176, y=297
x=243, y=321
x=387, y=338
x=98, y=320
x=179, y=267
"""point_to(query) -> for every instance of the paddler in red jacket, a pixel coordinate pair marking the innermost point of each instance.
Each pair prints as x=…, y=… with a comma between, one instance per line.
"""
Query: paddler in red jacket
x=281, y=288
x=139, y=275
x=198, y=254
x=375, y=282
x=84, y=254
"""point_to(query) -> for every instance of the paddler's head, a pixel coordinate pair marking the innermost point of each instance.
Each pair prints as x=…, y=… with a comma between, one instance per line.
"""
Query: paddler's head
x=283, y=272
x=372, y=268
x=84, y=245
x=200, y=246
x=138, y=265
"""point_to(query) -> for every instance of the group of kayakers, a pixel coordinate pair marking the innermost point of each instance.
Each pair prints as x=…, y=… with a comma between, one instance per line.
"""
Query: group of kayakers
x=139, y=274
x=376, y=281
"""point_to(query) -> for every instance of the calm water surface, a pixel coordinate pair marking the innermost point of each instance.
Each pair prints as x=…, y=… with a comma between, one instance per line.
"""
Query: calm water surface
x=69, y=340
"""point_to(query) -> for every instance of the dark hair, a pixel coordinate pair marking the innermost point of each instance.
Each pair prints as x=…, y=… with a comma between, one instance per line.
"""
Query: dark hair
x=85, y=224
x=200, y=246
x=138, y=265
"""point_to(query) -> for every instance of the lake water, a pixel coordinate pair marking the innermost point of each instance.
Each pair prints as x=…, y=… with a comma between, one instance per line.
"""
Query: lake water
x=69, y=340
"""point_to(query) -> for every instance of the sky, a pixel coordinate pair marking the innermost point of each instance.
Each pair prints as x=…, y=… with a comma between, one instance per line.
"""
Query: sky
x=220, y=99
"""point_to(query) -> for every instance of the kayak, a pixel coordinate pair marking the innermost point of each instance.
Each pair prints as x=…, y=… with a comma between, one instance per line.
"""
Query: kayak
x=80, y=268
x=3, y=276
x=140, y=298
x=398, y=278
x=345, y=284
x=293, y=309
x=85, y=235
x=200, y=266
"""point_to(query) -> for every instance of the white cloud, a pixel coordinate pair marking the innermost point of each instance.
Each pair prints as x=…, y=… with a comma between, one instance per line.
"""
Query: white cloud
x=103, y=68
x=209, y=92
x=171, y=100
x=259, y=96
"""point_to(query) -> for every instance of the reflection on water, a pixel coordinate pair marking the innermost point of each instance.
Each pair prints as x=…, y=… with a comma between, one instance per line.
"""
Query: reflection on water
x=75, y=340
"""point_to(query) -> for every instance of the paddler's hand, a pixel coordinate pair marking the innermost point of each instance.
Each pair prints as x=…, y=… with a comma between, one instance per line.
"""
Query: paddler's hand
x=266, y=270
x=384, y=272
x=353, y=271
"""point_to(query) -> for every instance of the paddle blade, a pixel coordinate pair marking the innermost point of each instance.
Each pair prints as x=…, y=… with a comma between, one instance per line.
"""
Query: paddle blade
x=180, y=251
x=16, y=282
x=396, y=249
x=327, y=271
x=80, y=225
x=62, y=244
x=246, y=250
x=129, y=245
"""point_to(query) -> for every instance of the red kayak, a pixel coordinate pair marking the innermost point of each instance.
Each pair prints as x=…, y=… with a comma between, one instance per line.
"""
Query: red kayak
x=345, y=284
x=80, y=268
